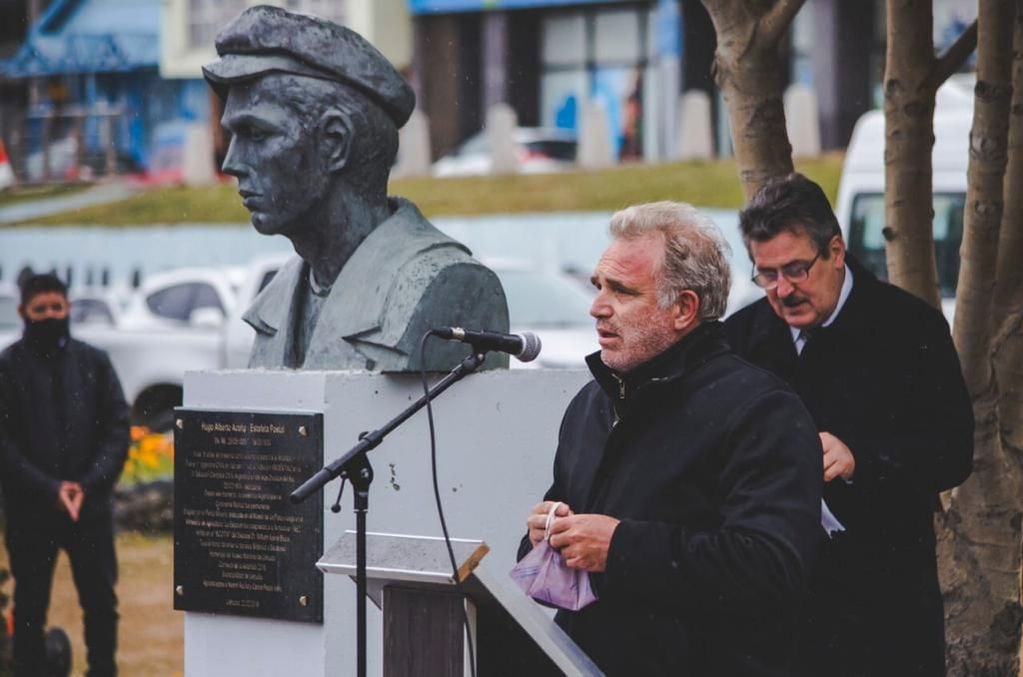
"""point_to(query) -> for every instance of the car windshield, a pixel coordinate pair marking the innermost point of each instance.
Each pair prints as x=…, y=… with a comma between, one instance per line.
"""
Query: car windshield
x=91, y=311
x=866, y=236
x=556, y=150
x=9, y=318
x=544, y=300
x=539, y=145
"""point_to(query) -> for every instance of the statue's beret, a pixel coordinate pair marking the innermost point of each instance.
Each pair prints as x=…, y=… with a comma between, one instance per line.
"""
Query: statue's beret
x=266, y=39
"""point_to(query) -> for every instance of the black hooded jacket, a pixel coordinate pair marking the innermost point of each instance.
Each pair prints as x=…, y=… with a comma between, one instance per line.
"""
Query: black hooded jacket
x=713, y=467
x=62, y=417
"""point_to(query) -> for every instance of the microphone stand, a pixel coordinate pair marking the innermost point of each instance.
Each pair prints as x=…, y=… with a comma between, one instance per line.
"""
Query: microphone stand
x=354, y=466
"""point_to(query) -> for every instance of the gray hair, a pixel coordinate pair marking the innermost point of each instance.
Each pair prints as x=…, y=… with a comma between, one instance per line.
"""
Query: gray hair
x=695, y=252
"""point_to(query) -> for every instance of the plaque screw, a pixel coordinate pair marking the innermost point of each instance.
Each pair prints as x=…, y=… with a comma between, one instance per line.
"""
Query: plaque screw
x=303, y=600
x=179, y=590
x=302, y=431
x=180, y=423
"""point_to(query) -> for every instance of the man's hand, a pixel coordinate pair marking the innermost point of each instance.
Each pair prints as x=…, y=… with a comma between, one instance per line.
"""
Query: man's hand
x=838, y=460
x=537, y=519
x=70, y=496
x=584, y=540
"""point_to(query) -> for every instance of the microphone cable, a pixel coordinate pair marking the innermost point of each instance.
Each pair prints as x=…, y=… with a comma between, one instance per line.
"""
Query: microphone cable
x=436, y=496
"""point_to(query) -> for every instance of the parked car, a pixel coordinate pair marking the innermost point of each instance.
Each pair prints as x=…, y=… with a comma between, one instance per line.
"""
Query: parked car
x=97, y=306
x=555, y=307
x=182, y=297
x=172, y=324
x=540, y=150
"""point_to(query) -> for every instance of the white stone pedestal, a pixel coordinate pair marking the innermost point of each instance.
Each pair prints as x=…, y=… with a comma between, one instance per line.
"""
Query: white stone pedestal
x=496, y=437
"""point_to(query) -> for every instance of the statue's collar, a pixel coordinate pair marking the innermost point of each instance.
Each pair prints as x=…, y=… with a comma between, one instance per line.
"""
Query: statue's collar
x=385, y=246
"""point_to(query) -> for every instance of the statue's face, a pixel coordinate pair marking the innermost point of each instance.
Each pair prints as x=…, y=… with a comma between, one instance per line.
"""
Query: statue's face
x=274, y=153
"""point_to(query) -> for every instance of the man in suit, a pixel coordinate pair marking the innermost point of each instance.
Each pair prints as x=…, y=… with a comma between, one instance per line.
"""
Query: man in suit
x=314, y=111
x=878, y=371
x=63, y=441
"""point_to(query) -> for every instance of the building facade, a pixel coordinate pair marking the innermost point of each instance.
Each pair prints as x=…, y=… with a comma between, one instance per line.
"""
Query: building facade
x=189, y=29
x=549, y=58
x=546, y=58
x=94, y=95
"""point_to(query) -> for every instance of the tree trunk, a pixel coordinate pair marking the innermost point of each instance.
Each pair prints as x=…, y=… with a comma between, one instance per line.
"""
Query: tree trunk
x=980, y=549
x=1009, y=283
x=748, y=69
x=909, y=137
x=1008, y=314
x=912, y=77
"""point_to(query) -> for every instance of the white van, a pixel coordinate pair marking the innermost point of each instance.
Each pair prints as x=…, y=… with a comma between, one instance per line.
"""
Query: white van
x=860, y=208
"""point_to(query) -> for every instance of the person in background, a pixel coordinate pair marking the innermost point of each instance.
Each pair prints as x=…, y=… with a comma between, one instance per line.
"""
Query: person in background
x=877, y=369
x=64, y=437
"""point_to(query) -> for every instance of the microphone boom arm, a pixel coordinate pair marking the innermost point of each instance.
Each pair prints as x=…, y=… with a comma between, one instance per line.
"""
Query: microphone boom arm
x=369, y=441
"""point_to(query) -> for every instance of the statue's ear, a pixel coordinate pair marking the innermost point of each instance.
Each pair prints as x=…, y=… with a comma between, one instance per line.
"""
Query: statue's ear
x=335, y=139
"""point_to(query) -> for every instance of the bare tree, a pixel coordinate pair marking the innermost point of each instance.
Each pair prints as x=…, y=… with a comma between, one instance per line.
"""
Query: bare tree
x=979, y=546
x=980, y=530
x=912, y=77
x=748, y=69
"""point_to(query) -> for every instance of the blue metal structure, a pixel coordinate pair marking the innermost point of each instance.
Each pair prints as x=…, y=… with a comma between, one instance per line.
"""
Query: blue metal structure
x=90, y=36
x=104, y=55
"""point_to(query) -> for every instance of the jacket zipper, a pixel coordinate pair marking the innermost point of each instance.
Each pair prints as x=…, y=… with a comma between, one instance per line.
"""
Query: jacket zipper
x=621, y=386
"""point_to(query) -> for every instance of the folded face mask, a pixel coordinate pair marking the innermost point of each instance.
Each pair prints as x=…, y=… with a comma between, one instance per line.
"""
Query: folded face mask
x=543, y=575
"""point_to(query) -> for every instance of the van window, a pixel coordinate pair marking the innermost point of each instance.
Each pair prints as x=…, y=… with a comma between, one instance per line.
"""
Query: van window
x=866, y=241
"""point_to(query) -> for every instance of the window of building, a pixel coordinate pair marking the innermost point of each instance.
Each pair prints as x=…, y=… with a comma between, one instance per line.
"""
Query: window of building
x=332, y=10
x=207, y=17
x=600, y=55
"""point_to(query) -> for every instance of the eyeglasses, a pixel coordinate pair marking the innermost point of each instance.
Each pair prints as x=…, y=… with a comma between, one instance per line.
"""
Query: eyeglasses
x=794, y=272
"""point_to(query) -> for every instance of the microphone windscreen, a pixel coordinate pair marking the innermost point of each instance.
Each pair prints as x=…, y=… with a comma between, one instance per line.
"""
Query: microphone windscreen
x=530, y=347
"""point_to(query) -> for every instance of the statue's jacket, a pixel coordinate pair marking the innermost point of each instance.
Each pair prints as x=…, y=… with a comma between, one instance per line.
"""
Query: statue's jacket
x=404, y=278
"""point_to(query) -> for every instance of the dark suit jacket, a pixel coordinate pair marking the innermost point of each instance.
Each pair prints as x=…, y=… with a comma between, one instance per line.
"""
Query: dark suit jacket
x=62, y=417
x=885, y=379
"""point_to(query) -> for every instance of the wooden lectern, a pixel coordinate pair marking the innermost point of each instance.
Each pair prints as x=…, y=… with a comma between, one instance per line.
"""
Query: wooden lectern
x=410, y=580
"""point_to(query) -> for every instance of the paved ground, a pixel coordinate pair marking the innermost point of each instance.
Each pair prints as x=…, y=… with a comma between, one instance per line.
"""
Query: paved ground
x=24, y=211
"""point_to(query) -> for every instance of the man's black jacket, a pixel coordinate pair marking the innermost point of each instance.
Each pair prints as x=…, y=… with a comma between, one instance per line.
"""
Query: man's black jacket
x=62, y=417
x=714, y=468
x=885, y=379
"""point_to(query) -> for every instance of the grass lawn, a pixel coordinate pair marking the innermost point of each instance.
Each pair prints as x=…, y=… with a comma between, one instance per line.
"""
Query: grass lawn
x=151, y=633
x=707, y=184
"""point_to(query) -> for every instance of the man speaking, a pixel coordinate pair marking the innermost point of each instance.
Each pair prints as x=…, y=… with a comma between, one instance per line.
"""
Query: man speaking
x=689, y=480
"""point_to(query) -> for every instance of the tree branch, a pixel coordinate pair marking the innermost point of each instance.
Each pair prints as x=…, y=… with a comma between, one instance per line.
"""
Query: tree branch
x=724, y=14
x=778, y=20
x=954, y=57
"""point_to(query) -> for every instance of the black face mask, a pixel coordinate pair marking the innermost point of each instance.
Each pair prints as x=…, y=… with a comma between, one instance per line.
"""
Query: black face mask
x=46, y=336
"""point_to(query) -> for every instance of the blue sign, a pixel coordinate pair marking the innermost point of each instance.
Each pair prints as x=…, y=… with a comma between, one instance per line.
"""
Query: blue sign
x=439, y=6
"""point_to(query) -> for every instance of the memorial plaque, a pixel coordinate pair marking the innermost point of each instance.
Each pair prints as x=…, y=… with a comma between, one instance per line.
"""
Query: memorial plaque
x=240, y=547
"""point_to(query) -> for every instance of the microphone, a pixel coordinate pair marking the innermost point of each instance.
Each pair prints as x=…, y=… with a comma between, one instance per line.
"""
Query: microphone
x=525, y=346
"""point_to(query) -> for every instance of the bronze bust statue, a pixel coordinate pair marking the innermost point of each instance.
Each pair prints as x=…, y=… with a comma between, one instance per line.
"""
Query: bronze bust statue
x=314, y=111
